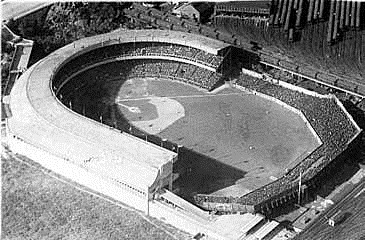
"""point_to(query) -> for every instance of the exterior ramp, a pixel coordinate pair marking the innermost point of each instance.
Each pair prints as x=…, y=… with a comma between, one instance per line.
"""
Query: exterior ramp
x=178, y=202
x=265, y=230
x=254, y=221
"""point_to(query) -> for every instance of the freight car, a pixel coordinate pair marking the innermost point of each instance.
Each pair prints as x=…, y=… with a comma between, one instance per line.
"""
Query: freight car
x=307, y=71
x=288, y=65
x=327, y=78
x=269, y=59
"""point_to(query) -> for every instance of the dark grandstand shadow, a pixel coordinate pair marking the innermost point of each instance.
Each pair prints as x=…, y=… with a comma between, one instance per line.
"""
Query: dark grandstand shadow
x=202, y=174
x=357, y=114
x=197, y=173
x=338, y=171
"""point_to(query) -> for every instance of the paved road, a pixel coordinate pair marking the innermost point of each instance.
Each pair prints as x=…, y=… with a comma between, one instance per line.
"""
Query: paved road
x=352, y=228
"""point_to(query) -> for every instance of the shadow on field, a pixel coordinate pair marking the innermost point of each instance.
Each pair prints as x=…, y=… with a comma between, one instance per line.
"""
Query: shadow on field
x=202, y=174
x=198, y=173
x=96, y=100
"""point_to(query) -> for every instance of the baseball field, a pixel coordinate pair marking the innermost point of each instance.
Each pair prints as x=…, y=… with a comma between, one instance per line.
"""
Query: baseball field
x=246, y=141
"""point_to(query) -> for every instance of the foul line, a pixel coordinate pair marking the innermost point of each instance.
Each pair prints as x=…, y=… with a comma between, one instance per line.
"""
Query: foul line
x=184, y=96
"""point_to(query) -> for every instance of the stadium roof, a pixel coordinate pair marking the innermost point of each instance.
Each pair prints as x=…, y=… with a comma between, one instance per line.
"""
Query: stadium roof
x=188, y=39
x=40, y=119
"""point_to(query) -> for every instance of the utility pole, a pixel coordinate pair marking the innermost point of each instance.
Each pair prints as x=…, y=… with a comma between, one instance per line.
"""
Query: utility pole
x=300, y=186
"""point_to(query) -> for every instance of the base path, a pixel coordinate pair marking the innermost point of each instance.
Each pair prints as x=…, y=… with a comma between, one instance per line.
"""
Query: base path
x=168, y=110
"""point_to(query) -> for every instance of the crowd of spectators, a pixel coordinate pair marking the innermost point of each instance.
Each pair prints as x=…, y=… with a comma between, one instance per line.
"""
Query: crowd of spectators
x=182, y=71
x=7, y=55
x=171, y=50
x=174, y=70
x=329, y=121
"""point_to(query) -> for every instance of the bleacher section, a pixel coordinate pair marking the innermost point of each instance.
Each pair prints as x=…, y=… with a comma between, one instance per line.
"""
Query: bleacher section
x=338, y=62
x=151, y=49
x=325, y=115
x=325, y=35
x=330, y=122
x=167, y=69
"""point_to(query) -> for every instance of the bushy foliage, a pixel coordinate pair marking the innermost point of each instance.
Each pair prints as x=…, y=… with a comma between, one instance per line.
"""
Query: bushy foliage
x=68, y=21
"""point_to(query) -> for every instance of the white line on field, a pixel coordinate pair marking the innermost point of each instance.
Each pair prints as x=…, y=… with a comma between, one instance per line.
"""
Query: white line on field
x=184, y=96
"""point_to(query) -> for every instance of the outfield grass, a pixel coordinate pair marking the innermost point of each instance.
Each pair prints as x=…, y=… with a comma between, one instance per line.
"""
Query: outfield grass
x=38, y=206
x=247, y=134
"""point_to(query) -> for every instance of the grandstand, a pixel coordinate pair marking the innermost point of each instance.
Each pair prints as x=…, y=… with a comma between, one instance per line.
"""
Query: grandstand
x=336, y=131
x=330, y=67
x=47, y=116
x=327, y=36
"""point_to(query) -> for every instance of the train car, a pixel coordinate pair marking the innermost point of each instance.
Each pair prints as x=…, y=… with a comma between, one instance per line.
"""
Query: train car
x=358, y=13
x=299, y=15
x=344, y=84
x=295, y=5
x=288, y=15
x=330, y=23
x=283, y=12
x=269, y=59
x=277, y=15
x=163, y=24
x=336, y=16
x=321, y=10
x=316, y=9
x=353, y=14
x=327, y=78
x=310, y=11
x=337, y=218
x=307, y=71
x=347, y=15
x=342, y=16
x=288, y=65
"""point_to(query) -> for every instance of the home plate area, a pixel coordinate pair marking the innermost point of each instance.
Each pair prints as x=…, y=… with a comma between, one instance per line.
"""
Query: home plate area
x=151, y=114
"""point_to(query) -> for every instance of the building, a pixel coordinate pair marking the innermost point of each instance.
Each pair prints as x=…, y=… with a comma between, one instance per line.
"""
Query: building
x=199, y=12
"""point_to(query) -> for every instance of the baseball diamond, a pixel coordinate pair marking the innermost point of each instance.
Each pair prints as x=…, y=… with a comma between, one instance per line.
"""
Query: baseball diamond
x=170, y=124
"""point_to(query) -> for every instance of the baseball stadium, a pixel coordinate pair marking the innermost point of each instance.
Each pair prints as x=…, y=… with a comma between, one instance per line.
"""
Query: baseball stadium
x=172, y=117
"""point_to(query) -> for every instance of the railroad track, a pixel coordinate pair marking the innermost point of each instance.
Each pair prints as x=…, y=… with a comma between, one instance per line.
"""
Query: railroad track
x=317, y=225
